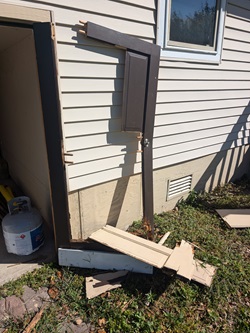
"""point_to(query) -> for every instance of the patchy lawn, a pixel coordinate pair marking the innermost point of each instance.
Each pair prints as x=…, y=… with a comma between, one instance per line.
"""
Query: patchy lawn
x=158, y=303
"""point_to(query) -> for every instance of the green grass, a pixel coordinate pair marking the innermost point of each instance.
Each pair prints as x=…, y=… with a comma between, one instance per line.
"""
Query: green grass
x=159, y=303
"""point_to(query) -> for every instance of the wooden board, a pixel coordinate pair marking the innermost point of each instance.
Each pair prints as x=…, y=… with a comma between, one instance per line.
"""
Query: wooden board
x=134, y=246
x=235, y=218
x=203, y=273
x=181, y=260
x=101, y=283
x=101, y=260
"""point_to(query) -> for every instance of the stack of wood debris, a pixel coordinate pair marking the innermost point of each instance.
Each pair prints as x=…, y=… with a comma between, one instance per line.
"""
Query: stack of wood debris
x=179, y=261
x=138, y=255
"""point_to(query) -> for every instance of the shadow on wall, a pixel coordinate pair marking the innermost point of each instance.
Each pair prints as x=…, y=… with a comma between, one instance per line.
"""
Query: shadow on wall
x=220, y=170
x=127, y=159
x=129, y=142
x=228, y=165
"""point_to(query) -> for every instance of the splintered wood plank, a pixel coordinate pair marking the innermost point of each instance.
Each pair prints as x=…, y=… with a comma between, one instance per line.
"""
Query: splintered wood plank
x=181, y=260
x=235, y=218
x=134, y=246
x=101, y=260
x=99, y=284
x=186, y=269
x=203, y=273
x=164, y=238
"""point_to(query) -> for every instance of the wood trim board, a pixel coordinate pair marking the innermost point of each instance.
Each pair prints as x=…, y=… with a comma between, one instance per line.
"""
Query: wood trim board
x=102, y=260
x=179, y=260
x=235, y=218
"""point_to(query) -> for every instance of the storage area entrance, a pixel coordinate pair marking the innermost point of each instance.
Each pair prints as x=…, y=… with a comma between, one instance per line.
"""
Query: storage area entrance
x=22, y=140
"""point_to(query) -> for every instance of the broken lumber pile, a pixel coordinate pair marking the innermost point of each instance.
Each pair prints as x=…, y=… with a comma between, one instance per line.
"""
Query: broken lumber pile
x=179, y=261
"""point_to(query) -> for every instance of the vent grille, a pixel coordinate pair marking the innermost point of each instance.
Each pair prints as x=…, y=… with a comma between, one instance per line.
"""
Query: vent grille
x=179, y=186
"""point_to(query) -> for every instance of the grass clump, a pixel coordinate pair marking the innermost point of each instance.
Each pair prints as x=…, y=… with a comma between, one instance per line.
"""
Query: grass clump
x=158, y=303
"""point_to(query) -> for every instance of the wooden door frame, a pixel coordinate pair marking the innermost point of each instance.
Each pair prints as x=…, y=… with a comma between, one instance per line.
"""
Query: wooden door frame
x=40, y=21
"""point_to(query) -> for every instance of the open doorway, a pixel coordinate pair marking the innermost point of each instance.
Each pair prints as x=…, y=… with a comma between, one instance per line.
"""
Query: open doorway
x=22, y=140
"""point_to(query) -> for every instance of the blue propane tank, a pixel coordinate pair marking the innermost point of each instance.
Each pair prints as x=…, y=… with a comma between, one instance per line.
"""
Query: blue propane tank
x=22, y=227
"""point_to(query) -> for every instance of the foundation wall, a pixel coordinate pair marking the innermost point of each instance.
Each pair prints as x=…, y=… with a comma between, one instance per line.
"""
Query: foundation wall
x=119, y=202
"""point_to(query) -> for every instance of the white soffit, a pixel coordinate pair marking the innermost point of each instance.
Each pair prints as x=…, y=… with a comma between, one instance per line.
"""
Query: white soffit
x=235, y=218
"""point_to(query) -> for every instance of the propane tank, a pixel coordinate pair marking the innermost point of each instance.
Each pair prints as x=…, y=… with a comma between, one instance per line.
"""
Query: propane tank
x=22, y=227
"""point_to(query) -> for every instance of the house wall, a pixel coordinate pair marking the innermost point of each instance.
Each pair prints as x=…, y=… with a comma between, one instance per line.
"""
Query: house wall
x=119, y=202
x=202, y=109
x=22, y=139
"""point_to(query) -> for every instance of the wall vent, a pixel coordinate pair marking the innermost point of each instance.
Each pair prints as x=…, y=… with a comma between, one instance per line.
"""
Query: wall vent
x=179, y=186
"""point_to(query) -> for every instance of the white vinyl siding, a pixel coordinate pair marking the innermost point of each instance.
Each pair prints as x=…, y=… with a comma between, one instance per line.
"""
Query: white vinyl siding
x=201, y=108
x=91, y=83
